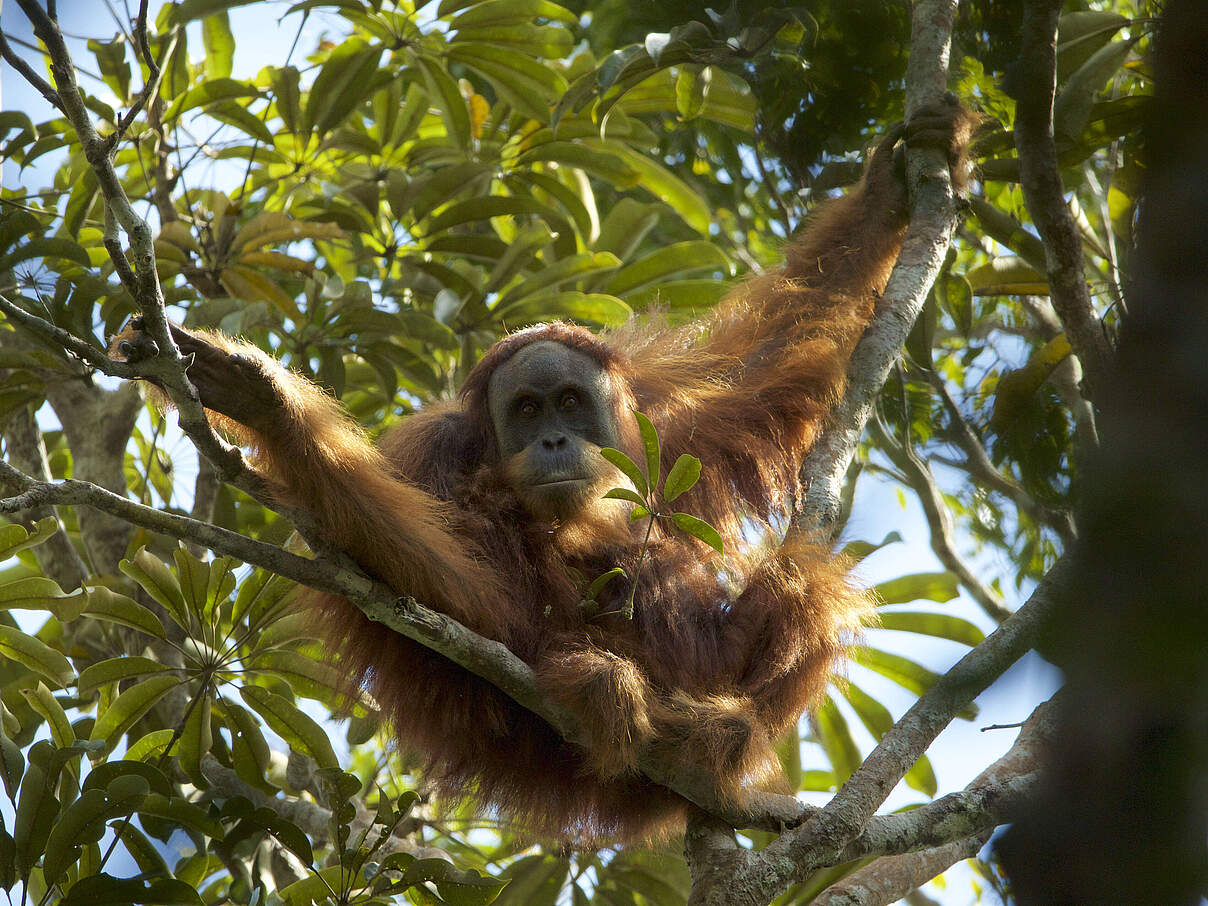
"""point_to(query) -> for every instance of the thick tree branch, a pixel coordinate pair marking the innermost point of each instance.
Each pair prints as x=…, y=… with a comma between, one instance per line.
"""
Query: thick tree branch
x=894, y=877
x=1045, y=195
x=1005, y=782
x=933, y=210
x=404, y=615
x=845, y=828
x=23, y=445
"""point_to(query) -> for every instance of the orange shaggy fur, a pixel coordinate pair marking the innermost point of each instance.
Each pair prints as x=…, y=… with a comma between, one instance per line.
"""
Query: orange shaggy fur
x=717, y=662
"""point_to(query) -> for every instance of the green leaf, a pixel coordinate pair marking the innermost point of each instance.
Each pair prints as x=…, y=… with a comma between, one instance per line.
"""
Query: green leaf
x=142, y=850
x=37, y=807
x=691, y=89
x=836, y=739
x=956, y=294
x=512, y=12
x=940, y=587
x=1072, y=108
x=14, y=537
x=343, y=82
x=456, y=887
x=83, y=822
x=940, y=625
x=575, y=267
x=650, y=446
x=626, y=225
x=249, y=750
x=1080, y=34
x=699, y=529
x=628, y=467
x=106, y=772
x=664, y=185
x=286, y=832
x=105, y=604
x=219, y=45
x=128, y=707
x=211, y=92
x=111, y=61
x=106, y=890
x=874, y=715
x=672, y=261
x=588, y=308
x=906, y=673
x=234, y=114
x=475, y=209
x=452, y=105
x=525, y=83
x=1016, y=388
x=38, y=593
x=157, y=580
x=15, y=119
x=196, y=738
x=43, y=702
x=689, y=296
x=151, y=746
x=182, y=813
x=625, y=494
x=36, y=656
x=12, y=765
x=443, y=185
x=1007, y=276
x=858, y=550
x=606, y=163
x=682, y=477
x=298, y=729
x=306, y=675
x=286, y=92
x=189, y=10
x=600, y=581
x=921, y=777
x=549, y=42
x=46, y=247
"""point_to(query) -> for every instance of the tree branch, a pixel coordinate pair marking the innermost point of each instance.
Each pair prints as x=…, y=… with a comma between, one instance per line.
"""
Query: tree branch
x=933, y=210
x=404, y=615
x=978, y=464
x=918, y=476
x=23, y=445
x=1045, y=195
x=845, y=828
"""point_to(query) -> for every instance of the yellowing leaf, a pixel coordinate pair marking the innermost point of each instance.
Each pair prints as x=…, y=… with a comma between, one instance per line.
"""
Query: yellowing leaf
x=279, y=260
x=245, y=283
x=479, y=109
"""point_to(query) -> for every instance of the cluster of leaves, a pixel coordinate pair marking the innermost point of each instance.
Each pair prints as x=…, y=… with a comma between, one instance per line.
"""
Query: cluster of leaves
x=150, y=727
x=378, y=213
x=646, y=493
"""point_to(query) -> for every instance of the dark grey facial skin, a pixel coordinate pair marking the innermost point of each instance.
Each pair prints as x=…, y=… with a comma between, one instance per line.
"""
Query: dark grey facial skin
x=549, y=400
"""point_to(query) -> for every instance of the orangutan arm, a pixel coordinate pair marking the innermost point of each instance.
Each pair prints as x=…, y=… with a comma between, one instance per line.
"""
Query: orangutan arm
x=318, y=459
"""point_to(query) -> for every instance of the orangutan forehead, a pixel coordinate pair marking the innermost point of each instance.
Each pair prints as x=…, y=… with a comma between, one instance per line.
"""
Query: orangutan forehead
x=545, y=365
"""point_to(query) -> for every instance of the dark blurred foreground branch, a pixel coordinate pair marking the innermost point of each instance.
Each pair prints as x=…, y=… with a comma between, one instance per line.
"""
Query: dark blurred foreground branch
x=1125, y=809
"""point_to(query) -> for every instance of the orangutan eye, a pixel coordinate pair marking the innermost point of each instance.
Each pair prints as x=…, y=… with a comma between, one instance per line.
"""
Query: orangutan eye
x=570, y=401
x=528, y=409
